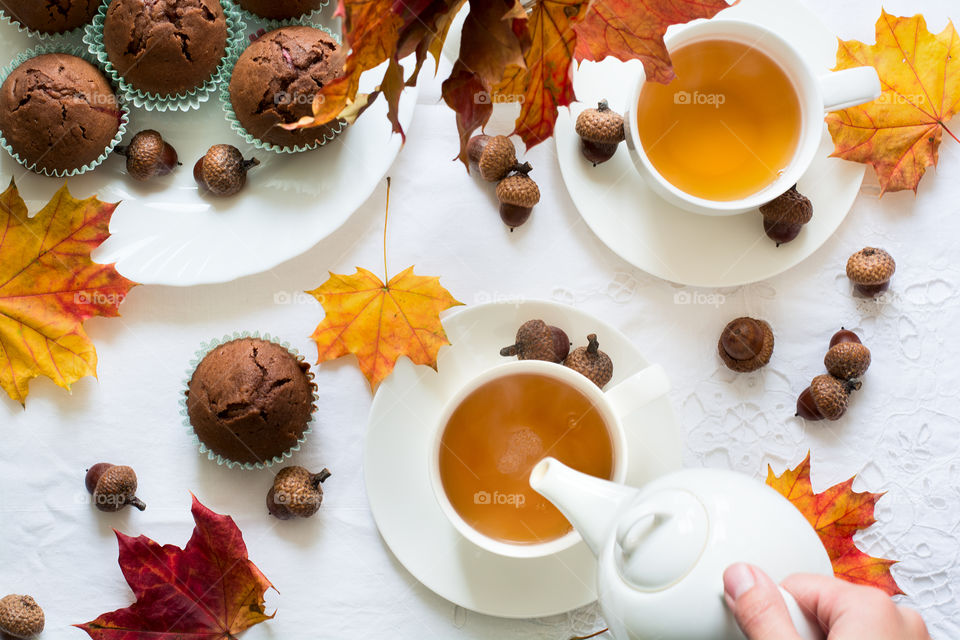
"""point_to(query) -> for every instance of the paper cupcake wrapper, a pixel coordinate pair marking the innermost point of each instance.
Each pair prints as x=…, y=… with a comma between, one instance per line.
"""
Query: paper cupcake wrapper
x=270, y=23
x=80, y=52
x=252, y=140
x=93, y=37
x=201, y=353
x=40, y=35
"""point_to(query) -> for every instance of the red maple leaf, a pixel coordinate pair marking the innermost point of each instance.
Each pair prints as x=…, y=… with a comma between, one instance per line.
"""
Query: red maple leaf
x=209, y=590
x=837, y=514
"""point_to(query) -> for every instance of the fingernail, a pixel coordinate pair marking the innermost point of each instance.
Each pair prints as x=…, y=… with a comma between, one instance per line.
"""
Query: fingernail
x=737, y=580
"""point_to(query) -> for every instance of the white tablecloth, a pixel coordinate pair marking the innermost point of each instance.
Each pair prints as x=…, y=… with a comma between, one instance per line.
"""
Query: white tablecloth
x=336, y=579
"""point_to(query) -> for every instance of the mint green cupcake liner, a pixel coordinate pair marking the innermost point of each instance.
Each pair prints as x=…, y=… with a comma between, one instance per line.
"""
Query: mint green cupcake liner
x=201, y=353
x=252, y=140
x=269, y=23
x=40, y=35
x=80, y=52
x=93, y=37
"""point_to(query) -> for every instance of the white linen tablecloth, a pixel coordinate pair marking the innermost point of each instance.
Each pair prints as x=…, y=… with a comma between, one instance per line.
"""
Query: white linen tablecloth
x=335, y=577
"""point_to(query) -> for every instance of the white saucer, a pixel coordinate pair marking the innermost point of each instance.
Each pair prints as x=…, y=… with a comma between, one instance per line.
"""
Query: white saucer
x=397, y=452
x=684, y=247
x=165, y=233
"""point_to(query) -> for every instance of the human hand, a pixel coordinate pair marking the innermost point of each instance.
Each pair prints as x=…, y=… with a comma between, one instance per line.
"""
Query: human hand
x=846, y=611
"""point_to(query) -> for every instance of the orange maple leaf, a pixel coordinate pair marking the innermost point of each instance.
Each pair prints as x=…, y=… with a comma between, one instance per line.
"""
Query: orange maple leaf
x=837, y=514
x=899, y=134
x=49, y=286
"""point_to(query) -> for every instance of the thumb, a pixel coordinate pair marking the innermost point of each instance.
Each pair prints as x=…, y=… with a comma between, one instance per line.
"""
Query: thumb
x=757, y=604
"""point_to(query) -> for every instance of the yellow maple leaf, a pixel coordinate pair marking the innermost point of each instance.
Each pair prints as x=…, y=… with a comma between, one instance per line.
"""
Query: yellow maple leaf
x=49, y=286
x=899, y=134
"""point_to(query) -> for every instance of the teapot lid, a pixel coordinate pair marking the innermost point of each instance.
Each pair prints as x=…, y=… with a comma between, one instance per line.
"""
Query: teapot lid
x=660, y=539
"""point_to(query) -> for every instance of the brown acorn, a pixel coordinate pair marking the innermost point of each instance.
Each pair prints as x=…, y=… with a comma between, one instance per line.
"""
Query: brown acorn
x=600, y=131
x=148, y=156
x=223, y=170
x=844, y=335
x=591, y=362
x=847, y=360
x=20, y=617
x=536, y=340
x=826, y=397
x=518, y=194
x=113, y=487
x=746, y=344
x=492, y=156
x=296, y=493
x=784, y=217
x=870, y=270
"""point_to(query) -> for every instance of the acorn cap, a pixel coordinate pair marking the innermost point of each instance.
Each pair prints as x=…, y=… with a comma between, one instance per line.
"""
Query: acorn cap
x=497, y=158
x=758, y=361
x=847, y=360
x=791, y=207
x=536, y=340
x=602, y=125
x=591, y=362
x=116, y=489
x=871, y=266
x=296, y=493
x=20, y=617
x=519, y=190
x=831, y=395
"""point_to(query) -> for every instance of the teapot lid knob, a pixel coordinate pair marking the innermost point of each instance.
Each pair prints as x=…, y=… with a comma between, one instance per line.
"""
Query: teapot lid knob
x=661, y=539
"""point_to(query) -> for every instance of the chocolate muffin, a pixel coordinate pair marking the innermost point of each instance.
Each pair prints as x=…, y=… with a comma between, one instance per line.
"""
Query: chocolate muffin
x=281, y=9
x=276, y=78
x=58, y=111
x=165, y=47
x=250, y=400
x=50, y=16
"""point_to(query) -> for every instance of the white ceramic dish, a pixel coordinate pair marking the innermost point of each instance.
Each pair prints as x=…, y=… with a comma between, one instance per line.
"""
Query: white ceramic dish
x=164, y=232
x=397, y=455
x=684, y=247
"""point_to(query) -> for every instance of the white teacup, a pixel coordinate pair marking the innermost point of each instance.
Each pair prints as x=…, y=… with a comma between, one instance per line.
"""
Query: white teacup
x=816, y=94
x=613, y=404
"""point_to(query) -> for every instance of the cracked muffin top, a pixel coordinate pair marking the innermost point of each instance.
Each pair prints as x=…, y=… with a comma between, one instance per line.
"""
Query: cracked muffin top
x=58, y=111
x=276, y=78
x=281, y=9
x=50, y=16
x=165, y=47
x=250, y=400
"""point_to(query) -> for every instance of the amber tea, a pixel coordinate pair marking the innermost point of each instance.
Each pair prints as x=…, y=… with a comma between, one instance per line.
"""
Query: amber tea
x=495, y=437
x=728, y=124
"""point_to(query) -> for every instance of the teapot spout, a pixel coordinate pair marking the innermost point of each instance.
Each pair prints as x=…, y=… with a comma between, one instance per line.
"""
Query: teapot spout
x=592, y=505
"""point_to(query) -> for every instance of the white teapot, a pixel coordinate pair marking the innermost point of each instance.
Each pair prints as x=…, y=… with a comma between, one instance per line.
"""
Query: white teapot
x=662, y=549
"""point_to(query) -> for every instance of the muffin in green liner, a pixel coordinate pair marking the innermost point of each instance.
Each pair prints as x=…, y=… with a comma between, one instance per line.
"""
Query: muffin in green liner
x=248, y=401
x=273, y=82
x=77, y=113
x=48, y=19
x=275, y=13
x=123, y=34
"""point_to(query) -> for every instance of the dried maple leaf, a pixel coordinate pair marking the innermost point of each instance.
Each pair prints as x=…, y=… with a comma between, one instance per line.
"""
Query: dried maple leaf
x=49, y=286
x=379, y=322
x=209, y=590
x=837, y=514
x=899, y=134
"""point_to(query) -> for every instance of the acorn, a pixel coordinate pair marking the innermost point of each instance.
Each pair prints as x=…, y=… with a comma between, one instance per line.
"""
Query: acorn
x=826, y=397
x=20, y=617
x=600, y=131
x=844, y=335
x=113, y=487
x=847, y=360
x=870, y=270
x=518, y=194
x=784, y=217
x=536, y=340
x=746, y=344
x=591, y=362
x=296, y=493
x=223, y=170
x=492, y=156
x=149, y=156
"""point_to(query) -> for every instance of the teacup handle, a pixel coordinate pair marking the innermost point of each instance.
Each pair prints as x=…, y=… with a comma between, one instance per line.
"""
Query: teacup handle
x=849, y=87
x=639, y=389
x=806, y=624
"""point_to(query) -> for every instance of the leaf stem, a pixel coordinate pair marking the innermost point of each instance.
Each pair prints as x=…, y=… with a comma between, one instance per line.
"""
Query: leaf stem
x=950, y=133
x=386, y=217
